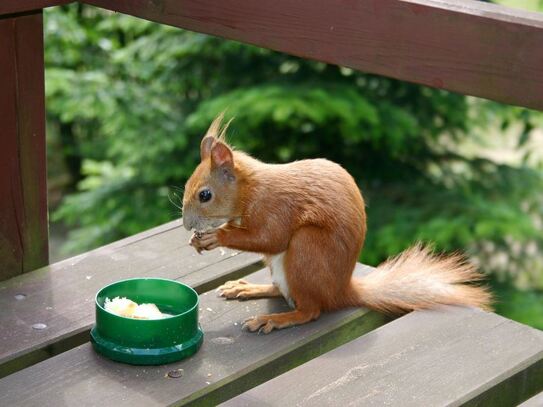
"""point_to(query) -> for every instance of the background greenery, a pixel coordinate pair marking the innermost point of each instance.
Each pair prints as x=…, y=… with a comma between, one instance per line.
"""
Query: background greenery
x=128, y=101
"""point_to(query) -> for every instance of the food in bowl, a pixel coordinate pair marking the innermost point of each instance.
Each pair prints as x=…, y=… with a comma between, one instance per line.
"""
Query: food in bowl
x=127, y=308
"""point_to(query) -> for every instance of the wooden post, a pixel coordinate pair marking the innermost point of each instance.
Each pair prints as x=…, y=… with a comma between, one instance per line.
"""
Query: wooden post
x=23, y=191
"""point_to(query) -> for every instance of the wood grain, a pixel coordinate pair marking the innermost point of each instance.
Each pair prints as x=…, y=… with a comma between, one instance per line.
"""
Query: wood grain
x=536, y=401
x=464, y=46
x=61, y=295
x=23, y=192
x=450, y=357
x=230, y=361
x=19, y=6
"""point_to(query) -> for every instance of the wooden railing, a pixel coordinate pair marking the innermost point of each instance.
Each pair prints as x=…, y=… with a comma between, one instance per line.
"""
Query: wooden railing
x=463, y=46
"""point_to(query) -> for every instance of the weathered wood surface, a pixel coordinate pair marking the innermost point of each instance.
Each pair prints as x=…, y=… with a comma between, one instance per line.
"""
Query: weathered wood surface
x=229, y=362
x=536, y=401
x=61, y=295
x=464, y=46
x=23, y=192
x=18, y=6
x=432, y=358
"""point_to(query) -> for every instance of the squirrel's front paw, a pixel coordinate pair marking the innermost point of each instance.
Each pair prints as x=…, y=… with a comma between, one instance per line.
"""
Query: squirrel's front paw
x=195, y=242
x=204, y=241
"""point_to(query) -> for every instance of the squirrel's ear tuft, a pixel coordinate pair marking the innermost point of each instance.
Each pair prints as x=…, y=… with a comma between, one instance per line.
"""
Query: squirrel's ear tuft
x=215, y=132
x=205, y=146
x=215, y=127
x=221, y=155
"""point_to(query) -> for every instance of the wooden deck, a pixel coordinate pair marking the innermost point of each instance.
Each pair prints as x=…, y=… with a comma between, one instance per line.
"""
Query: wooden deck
x=436, y=357
x=536, y=401
x=61, y=296
x=453, y=356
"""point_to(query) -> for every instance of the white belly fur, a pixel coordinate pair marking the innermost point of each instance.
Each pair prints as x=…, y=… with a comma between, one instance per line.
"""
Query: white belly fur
x=277, y=267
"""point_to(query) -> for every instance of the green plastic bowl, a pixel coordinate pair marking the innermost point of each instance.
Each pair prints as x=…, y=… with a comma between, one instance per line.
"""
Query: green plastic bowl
x=148, y=342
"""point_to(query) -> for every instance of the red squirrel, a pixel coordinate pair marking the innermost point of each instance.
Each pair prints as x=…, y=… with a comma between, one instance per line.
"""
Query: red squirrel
x=308, y=220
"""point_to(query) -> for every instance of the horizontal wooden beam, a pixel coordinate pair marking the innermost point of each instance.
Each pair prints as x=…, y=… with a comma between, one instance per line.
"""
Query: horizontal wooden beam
x=21, y=6
x=463, y=46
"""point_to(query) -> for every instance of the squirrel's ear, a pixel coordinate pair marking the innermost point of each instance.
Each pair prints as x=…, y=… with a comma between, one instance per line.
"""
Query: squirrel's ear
x=221, y=155
x=205, y=147
x=213, y=134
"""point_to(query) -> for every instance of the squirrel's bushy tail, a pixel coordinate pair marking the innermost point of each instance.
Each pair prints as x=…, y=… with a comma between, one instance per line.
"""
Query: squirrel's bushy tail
x=417, y=279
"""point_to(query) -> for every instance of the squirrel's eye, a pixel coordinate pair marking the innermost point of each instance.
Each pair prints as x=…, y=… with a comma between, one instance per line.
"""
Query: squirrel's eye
x=205, y=195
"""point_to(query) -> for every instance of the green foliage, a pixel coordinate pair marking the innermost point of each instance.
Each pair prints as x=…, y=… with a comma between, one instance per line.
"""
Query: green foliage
x=128, y=102
x=521, y=305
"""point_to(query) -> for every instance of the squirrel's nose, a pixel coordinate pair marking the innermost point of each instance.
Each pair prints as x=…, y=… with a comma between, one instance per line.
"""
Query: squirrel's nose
x=188, y=222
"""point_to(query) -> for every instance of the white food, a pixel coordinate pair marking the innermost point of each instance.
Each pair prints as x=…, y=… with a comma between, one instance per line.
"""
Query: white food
x=128, y=308
x=120, y=306
x=147, y=311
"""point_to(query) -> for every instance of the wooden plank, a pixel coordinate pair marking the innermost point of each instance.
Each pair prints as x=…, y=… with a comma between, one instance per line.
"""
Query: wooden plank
x=23, y=192
x=61, y=295
x=229, y=362
x=19, y=6
x=464, y=46
x=536, y=401
x=449, y=357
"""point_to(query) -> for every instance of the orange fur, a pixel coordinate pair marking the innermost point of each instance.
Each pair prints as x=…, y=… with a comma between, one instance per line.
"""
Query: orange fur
x=312, y=212
x=417, y=279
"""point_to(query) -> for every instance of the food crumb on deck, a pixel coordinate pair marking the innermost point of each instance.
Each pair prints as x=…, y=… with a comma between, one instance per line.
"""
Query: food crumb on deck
x=174, y=374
